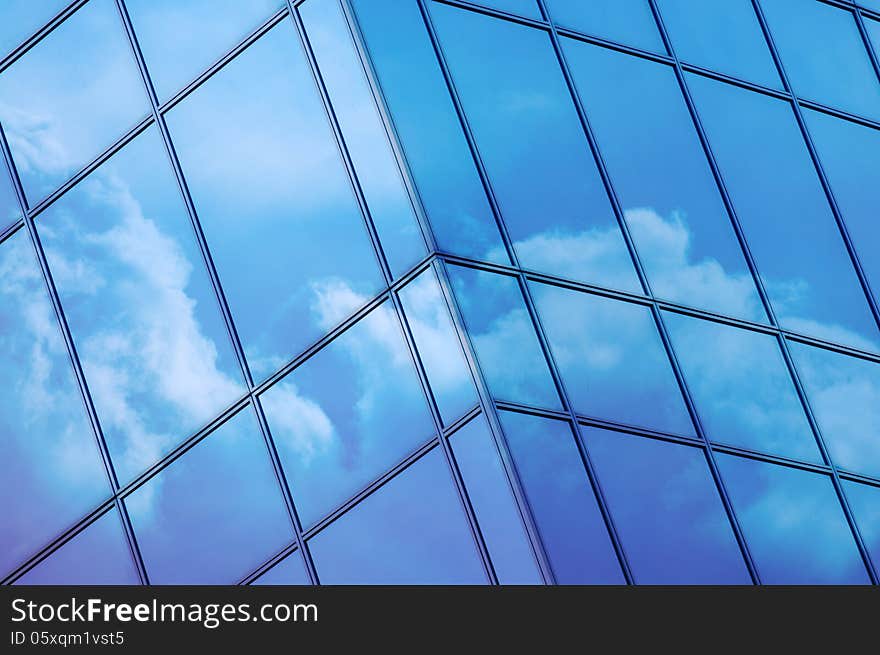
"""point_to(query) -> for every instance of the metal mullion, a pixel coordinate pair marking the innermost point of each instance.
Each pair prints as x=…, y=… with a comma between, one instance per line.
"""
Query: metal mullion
x=863, y=31
x=11, y=229
x=492, y=12
x=33, y=39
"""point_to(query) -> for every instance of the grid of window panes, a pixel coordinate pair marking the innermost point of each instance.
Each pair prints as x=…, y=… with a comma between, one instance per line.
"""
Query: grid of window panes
x=434, y=291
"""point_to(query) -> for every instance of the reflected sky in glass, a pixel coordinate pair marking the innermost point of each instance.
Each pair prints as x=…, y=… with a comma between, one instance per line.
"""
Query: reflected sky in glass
x=527, y=129
x=844, y=394
x=21, y=18
x=431, y=135
x=741, y=388
x=146, y=322
x=348, y=414
x=794, y=525
x=49, y=461
x=364, y=134
x=504, y=337
x=439, y=349
x=290, y=571
x=527, y=8
x=494, y=505
x=411, y=531
x=873, y=29
x=837, y=74
x=667, y=510
x=9, y=207
x=785, y=215
x=216, y=513
x=723, y=36
x=660, y=173
x=630, y=22
x=72, y=96
x=278, y=211
x=864, y=501
x=181, y=39
x=611, y=359
x=561, y=500
x=99, y=555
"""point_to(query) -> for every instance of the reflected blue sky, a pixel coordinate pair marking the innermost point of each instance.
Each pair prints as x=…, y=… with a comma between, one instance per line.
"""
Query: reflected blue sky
x=611, y=359
x=865, y=503
x=290, y=571
x=527, y=129
x=741, y=388
x=561, y=500
x=873, y=29
x=630, y=22
x=21, y=18
x=411, y=531
x=793, y=523
x=72, y=96
x=663, y=181
x=49, y=460
x=277, y=208
x=215, y=514
x=667, y=510
x=527, y=8
x=144, y=317
x=348, y=414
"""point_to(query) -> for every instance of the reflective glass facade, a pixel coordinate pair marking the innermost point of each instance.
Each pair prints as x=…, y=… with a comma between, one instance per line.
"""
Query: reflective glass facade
x=430, y=291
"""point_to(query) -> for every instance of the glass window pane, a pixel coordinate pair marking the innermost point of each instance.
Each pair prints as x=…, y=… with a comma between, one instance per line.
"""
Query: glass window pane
x=659, y=169
x=630, y=22
x=527, y=8
x=144, y=316
x=548, y=187
x=741, y=388
x=611, y=359
x=9, y=207
x=837, y=74
x=214, y=514
x=99, y=555
x=721, y=36
x=364, y=134
x=494, y=505
x=411, y=531
x=561, y=500
x=504, y=337
x=278, y=211
x=844, y=393
x=21, y=18
x=865, y=503
x=439, y=349
x=667, y=510
x=181, y=39
x=873, y=29
x=850, y=155
x=70, y=97
x=794, y=525
x=348, y=414
x=49, y=460
x=425, y=118
x=290, y=571
x=786, y=218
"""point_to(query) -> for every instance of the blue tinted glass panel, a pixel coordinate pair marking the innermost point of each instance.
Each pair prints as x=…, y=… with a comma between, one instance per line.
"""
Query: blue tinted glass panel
x=561, y=500
x=364, y=134
x=411, y=531
x=850, y=155
x=140, y=305
x=659, y=169
x=527, y=8
x=785, y=215
x=99, y=555
x=348, y=414
x=839, y=73
x=527, y=129
x=722, y=36
x=21, y=18
x=865, y=504
x=9, y=208
x=439, y=349
x=873, y=29
x=49, y=461
x=667, y=510
x=844, y=393
x=630, y=22
x=278, y=211
x=181, y=39
x=794, y=525
x=741, y=388
x=611, y=359
x=75, y=93
x=497, y=514
x=504, y=337
x=425, y=118
x=214, y=514
x=290, y=571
